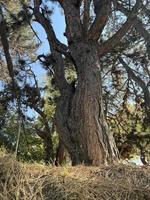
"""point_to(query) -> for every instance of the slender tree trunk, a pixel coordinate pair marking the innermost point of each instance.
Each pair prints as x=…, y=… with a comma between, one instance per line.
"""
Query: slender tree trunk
x=84, y=125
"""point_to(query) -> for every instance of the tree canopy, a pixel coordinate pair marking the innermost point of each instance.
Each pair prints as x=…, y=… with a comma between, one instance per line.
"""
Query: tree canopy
x=96, y=100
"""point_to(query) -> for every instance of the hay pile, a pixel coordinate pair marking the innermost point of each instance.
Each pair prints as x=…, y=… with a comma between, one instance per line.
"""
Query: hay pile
x=15, y=183
x=37, y=182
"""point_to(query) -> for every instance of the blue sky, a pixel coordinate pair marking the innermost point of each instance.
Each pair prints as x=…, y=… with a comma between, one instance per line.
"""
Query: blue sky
x=58, y=23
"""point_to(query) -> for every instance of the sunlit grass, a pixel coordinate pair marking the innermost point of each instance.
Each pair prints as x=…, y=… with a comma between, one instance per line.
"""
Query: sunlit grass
x=26, y=181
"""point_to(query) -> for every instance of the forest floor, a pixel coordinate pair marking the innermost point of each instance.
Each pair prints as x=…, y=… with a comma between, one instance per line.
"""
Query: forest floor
x=22, y=181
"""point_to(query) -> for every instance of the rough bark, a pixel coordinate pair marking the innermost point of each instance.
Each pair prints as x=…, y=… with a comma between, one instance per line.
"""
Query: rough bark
x=85, y=124
x=62, y=124
x=5, y=45
x=48, y=147
x=60, y=154
x=80, y=119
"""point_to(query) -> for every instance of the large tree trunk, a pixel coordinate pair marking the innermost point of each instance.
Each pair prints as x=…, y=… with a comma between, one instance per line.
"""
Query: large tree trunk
x=80, y=113
x=80, y=116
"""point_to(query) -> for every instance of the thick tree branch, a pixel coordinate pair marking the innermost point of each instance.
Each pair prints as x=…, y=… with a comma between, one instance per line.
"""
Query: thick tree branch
x=5, y=44
x=56, y=47
x=53, y=41
x=102, y=10
x=111, y=43
x=74, y=27
x=86, y=16
x=59, y=73
x=55, y=65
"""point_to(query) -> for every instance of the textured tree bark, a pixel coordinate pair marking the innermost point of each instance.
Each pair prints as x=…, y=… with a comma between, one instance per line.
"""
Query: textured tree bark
x=48, y=147
x=83, y=125
x=80, y=119
x=60, y=154
x=63, y=126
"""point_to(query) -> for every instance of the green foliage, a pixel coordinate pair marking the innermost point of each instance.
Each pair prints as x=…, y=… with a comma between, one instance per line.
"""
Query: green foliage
x=51, y=96
x=20, y=35
x=30, y=145
x=131, y=134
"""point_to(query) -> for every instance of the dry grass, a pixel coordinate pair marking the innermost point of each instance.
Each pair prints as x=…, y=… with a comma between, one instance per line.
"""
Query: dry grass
x=37, y=182
x=15, y=183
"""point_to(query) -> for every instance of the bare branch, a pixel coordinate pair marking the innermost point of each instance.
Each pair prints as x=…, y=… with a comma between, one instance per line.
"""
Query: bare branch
x=5, y=44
